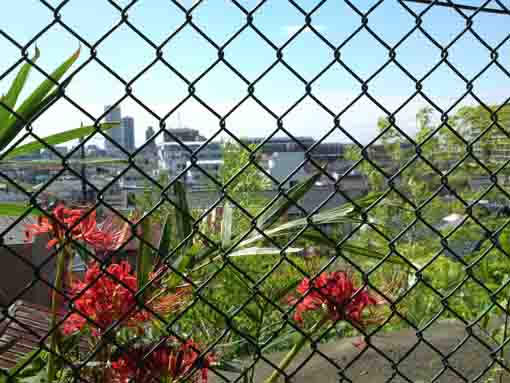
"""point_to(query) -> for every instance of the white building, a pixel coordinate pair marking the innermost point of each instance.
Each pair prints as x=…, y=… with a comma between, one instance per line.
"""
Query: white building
x=174, y=158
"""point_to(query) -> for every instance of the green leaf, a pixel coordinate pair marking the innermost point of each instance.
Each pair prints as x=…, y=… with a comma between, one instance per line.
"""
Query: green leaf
x=284, y=203
x=35, y=103
x=205, y=254
x=295, y=225
x=16, y=209
x=5, y=378
x=343, y=214
x=58, y=138
x=71, y=342
x=17, y=86
x=29, y=365
x=263, y=251
x=182, y=212
x=183, y=229
x=226, y=225
x=166, y=237
x=14, y=127
x=144, y=258
x=504, y=240
x=331, y=242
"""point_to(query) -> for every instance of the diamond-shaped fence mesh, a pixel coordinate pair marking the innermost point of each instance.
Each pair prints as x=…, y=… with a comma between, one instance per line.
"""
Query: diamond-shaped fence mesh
x=340, y=214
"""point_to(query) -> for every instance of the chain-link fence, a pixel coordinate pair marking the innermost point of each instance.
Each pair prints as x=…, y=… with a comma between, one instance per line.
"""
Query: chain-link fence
x=296, y=257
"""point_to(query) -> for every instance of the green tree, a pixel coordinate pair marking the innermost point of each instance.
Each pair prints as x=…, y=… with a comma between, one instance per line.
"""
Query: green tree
x=485, y=125
x=243, y=181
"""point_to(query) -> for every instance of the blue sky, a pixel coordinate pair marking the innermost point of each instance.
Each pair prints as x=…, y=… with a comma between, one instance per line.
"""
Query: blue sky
x=159, y=89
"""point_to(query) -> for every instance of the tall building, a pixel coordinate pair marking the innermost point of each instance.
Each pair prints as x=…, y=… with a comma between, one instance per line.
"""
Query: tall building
x=128, y=131
x=113, y=115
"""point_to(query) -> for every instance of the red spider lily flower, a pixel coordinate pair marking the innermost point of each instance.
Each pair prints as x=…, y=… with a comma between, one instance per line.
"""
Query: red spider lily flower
x=104, y=298
x=56, y=225
x=114, y=234
x=163, y=362
x=334, y=292
x=80, y=225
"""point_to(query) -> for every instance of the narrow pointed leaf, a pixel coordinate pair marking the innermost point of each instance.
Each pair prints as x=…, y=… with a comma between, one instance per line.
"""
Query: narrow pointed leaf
x=205, y=256
x=15, y=125
x=144, y=259
x=166, y=237
x=292, y=226
x=343, y=214
x=182, y=212
x=284, y=203
x=57, y=139
x=226, y=225
x=35, y=102
x=183, y=230
x=263, y=251
x=14, y=91
x=362, y=251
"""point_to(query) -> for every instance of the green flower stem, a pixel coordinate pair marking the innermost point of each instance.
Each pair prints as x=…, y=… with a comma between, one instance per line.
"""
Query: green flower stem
x=294, y=351
x=59, y=279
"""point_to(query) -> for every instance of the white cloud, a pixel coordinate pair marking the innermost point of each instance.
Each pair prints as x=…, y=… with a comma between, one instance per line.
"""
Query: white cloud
x=291, y=29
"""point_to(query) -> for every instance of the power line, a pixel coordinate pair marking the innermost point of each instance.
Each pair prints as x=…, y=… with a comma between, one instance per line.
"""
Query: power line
x=461, y=6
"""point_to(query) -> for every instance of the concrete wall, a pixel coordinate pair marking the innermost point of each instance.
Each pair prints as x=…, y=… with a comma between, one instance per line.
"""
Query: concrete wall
x=16, y=274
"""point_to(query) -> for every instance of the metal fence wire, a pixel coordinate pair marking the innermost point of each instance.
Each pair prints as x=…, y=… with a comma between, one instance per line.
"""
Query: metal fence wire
x=258, y=283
